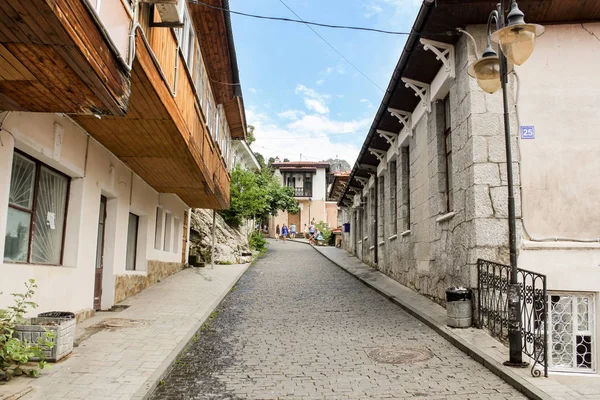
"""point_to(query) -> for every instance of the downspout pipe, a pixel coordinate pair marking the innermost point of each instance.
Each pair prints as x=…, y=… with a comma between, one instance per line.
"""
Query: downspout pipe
x=422, y=17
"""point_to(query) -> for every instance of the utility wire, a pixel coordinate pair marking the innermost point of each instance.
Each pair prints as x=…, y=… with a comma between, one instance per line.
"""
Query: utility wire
x=301, y=21
x=308, y=25
x=285, y=152
x=310, y=137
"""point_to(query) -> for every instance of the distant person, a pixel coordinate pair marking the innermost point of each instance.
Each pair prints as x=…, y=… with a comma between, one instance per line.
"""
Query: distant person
x=305, y=231
x=293, y=231
x=284, y=232
x=311, y=233
x=277, y=232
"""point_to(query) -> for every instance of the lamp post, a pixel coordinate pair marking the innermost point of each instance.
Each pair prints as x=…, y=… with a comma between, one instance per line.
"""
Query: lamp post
x=516, y=41
x=309, y=203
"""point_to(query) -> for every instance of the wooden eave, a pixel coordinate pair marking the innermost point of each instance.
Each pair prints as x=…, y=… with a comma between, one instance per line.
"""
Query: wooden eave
x=154, y=140
x=212, y=31
x=55, y=58
x=235, y=118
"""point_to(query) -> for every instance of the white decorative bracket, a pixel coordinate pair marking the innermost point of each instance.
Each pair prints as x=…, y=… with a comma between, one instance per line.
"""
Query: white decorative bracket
x=421, y=90
x=361, y=180
x=389, y=137
x=380, y=154
x=404, y=117
x=443, y=52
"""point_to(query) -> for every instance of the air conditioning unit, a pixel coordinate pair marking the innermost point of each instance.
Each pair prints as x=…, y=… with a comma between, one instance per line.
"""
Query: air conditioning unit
x=170, y=12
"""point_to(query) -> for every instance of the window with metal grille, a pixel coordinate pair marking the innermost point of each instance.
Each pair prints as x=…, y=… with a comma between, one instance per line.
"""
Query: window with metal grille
x=448, y=152
x=37, y=213
x=571, y=332
x=405, y=156
x=132, y=242
x=393, y=198
x=381, y=208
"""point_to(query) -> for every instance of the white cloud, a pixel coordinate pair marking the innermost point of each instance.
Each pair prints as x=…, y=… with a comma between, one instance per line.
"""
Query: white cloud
x=306, y=136
x=313, y=100
x=375, y=7
x=252, y=90
x=367, y=102
x=320, y=81
x=291, y=114
x=372, y=9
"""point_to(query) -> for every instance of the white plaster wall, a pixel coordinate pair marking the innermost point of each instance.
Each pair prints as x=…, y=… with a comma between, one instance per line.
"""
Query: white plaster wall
x=560, y=93
x=116, y=17
x=319, y=185
x=94, y=172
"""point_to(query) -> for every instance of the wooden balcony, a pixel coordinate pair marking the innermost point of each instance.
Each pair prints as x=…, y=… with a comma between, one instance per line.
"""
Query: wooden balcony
x=164, y=138
x=55, y=58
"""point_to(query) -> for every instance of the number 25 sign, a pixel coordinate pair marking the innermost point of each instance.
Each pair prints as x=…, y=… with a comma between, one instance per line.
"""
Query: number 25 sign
x=527, y=132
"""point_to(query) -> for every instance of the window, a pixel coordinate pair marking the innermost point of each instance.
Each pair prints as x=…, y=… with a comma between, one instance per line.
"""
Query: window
x=448, y=153
x=158, y=228
x=381, y=208
x=393, y=198
x=373, y=207
x=37, y=210
x=571, y=332
x=167, y=242
x=132, y=241
x=176, y=236
x=405, y=155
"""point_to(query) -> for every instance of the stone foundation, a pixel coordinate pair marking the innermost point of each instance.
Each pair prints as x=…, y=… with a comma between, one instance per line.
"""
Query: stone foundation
x=128, y=285
x=82, y=315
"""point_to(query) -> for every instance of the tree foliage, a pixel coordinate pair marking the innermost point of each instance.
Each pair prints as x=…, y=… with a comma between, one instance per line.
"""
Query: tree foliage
x=257, y=195
x=250, y=138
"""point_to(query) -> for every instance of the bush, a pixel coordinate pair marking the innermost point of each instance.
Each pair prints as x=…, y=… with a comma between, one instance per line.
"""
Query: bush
x=325, y=231
x=257, y=242
x=14, y=352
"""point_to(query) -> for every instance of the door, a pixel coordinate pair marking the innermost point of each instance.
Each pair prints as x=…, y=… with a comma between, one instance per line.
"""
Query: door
x=185, y=237
x=295, y=219
x=100, y=255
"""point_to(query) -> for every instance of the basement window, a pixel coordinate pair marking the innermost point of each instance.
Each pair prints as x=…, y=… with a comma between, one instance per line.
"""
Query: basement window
x=571, y=329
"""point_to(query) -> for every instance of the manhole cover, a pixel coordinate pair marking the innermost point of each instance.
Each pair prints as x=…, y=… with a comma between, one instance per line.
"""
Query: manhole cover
x=389, y=355
x=116, y=323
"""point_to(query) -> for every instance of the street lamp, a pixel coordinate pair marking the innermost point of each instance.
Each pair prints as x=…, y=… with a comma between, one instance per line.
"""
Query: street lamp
x=517, y=41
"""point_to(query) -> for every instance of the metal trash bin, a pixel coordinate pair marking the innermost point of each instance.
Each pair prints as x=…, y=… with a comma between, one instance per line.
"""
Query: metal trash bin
x=459, y=308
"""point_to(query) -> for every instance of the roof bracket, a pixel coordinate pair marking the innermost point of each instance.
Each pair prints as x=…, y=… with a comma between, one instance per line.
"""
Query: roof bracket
x=404, y=117
x=367, y=167
x=380, y=154
x=389, y=137
x=421, y=90
x=361, y=180
x=443, y=52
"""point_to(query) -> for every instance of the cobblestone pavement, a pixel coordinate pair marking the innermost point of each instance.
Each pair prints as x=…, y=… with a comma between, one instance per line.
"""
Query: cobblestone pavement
x=298, y=327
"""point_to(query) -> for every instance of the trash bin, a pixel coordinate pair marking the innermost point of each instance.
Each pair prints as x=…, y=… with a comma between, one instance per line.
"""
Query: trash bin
x=347, y=227
x=458, y=306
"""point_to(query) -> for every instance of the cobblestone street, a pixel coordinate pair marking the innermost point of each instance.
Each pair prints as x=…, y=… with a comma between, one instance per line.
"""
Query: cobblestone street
x=298, y=327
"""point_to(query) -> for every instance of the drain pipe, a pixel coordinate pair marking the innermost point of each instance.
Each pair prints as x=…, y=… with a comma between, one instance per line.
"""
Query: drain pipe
x=212, y=250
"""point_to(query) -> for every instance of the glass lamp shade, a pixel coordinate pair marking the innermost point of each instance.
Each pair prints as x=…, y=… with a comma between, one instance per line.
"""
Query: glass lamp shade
x=487, y=72
x=518, y=41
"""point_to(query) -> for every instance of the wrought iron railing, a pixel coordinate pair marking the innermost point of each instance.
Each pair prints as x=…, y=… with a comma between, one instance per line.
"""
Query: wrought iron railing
x=493, y=280
x=302, y=192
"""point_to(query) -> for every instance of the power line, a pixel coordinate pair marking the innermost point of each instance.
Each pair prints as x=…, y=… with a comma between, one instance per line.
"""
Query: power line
x=285, y=152
x=357, y=28
x=310, y=137
x=308, y=25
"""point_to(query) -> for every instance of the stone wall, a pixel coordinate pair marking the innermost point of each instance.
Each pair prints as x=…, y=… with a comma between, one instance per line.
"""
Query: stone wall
x=432, y=248
x=130, y=284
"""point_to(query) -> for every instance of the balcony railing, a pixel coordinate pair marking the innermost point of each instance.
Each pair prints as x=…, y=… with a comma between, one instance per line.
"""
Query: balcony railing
x=302, y=192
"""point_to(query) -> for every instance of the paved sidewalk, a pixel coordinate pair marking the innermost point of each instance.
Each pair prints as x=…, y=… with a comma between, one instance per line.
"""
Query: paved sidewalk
x=475, y=342
x=123, y=355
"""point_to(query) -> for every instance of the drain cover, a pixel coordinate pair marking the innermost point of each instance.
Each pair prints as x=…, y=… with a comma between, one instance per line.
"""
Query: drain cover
x=389, y=355
x=116, y=323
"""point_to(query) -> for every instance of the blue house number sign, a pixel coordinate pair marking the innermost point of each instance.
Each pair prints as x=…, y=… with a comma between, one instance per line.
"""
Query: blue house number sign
x=527, y=132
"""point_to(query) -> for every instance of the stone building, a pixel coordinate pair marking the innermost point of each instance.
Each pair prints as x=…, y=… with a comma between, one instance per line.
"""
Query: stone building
x=427, y=196
x=110, y=130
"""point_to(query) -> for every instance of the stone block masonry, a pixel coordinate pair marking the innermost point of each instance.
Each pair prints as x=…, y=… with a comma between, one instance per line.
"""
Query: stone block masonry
x=130, y=284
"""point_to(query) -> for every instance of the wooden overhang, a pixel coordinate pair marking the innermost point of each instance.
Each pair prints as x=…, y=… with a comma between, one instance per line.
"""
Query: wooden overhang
x=437, y=20
x=157, y=143
x=338, y=186
x=54, y=57
x=214, y=28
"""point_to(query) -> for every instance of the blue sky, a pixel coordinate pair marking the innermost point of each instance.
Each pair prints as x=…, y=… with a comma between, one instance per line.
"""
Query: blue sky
x=301, y=96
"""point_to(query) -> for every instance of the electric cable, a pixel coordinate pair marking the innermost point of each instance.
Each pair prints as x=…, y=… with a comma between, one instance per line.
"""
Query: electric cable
x=358, y=28
x=311, y=137
x=333, y=48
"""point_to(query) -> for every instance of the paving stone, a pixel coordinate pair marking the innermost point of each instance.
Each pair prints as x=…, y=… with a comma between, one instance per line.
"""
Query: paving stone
x=297, y=326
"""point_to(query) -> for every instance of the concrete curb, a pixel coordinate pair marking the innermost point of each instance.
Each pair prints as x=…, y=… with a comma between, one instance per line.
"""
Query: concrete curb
x=165, y=367
x=516, y=381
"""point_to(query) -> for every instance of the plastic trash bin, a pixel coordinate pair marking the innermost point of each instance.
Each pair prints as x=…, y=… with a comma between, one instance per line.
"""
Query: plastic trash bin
x=459, y=308
x=57, y=314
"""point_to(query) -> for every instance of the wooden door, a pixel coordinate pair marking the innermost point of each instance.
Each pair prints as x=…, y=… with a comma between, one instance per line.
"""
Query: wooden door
x=185, y=236
x=99, y=268
x=295, y=219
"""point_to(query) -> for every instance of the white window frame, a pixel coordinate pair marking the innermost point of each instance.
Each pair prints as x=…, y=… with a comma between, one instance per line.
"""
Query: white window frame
x=589, y=332
x=159, y=228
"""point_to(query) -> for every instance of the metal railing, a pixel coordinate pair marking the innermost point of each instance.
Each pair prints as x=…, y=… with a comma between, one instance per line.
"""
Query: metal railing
x=302, y=192
x=492, y=283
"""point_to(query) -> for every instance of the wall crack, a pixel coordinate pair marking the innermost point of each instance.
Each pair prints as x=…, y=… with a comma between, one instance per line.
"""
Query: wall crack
x=590, y=32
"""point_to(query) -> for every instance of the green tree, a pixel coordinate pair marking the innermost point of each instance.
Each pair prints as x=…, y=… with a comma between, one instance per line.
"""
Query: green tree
x=261, y=160
x=250, y=135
